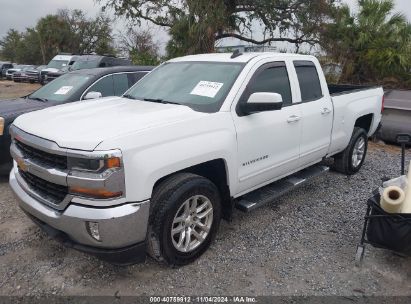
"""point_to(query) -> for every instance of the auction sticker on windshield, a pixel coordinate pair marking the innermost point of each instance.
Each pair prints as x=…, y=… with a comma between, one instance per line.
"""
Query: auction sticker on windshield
x=207, y=88
x=63, y=90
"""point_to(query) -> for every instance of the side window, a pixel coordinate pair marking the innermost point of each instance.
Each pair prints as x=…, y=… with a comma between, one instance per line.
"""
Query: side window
x=310, y=85
x=104, y=86
x=134, y=77
x=109, y=61
x=274, y=79
x=121, y=84
x=102, y=64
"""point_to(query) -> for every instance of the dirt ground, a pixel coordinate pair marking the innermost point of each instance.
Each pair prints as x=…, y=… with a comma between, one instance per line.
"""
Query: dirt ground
x=11, y=89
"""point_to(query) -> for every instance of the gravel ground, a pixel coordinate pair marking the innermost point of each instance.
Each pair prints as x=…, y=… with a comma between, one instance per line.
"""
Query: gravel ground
x=303, y=244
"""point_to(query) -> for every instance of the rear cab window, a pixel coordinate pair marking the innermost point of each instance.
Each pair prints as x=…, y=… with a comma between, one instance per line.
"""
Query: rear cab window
x=310, y=85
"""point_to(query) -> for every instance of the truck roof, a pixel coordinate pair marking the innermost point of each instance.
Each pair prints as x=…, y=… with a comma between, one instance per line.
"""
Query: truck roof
x=116, y=69
x=246, y=57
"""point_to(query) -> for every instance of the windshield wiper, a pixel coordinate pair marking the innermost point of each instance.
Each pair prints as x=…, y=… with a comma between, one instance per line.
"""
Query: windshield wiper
x=129, y=96
x=39, y=99
x=159, y=100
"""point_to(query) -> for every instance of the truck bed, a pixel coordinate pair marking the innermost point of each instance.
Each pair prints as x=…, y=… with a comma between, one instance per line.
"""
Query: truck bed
x=350, y=101
x=341, y=89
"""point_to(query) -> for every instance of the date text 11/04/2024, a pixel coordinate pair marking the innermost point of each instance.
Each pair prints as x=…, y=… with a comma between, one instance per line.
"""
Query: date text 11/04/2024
x=183, y=299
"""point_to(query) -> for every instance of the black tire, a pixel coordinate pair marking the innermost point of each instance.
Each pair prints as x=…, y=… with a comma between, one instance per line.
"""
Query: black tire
x=167, y=199
x=343, y=161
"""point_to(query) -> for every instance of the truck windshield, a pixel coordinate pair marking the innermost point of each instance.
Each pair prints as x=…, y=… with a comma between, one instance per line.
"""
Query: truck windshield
x=85, y=64
x=202, y=86
x=61, y=89
x=57, y=64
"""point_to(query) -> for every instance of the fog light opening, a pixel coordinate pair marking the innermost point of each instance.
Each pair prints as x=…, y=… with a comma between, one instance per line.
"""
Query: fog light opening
x=93, y=230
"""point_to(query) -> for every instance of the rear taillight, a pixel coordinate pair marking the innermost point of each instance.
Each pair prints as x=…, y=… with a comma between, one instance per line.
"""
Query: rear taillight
x=382, y=103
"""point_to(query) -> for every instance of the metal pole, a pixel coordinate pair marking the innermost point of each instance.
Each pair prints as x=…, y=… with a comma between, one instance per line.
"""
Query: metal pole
x=403, y=159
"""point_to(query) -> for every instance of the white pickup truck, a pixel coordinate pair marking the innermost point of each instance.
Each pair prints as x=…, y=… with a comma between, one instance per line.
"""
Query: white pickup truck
x=155, y=170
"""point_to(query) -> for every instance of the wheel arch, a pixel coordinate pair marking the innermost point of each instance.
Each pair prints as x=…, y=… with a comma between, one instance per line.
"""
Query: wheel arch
x=217, y=172
x=365, y=122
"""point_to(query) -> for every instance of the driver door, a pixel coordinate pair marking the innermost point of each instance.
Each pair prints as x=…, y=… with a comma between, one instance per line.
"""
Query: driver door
x=269, y=141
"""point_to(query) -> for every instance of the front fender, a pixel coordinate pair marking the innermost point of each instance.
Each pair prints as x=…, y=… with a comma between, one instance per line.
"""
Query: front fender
x=159, y=152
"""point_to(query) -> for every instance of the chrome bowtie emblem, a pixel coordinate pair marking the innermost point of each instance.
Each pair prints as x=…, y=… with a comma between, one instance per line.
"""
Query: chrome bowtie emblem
x=22, y=165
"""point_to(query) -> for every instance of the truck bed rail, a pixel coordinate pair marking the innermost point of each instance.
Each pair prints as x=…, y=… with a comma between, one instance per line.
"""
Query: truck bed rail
x=341, y=89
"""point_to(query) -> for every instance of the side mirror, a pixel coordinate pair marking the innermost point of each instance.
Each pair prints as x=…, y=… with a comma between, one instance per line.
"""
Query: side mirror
x=261, y=102
x=92, y=95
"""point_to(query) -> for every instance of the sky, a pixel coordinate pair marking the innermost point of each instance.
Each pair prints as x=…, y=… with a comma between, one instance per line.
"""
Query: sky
x=20, y=14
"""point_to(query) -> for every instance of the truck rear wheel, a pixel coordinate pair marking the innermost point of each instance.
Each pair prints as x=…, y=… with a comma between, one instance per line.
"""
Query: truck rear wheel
x=352, y=158
x=184, y=218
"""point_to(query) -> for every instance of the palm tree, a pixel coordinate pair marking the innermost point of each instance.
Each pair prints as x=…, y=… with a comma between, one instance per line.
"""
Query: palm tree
x=373, y=45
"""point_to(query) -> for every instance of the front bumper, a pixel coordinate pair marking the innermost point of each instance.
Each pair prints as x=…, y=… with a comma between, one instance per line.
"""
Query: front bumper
x=6, y=162
x=122, y=228
x=20, y=78
x=33, y=77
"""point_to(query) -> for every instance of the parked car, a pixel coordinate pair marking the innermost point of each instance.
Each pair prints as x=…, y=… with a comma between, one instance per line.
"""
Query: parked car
x=74, y=86
x=56, y=64
x=15, y=68
x=396, y=117
x=33, y=75
x=88, y=62
x=21, y=75
x=155, y=170
x=4, y=66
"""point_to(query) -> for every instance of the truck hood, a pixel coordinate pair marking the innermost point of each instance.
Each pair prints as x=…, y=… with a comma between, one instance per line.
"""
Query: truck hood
x=84, y=125
x=11, y=108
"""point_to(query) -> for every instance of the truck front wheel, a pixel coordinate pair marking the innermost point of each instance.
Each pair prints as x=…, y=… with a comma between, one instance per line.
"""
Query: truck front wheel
x=352, y=158
x=184, y=218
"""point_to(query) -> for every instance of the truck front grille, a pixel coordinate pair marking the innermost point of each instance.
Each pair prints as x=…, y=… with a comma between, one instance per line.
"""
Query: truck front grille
x=49, y=191
x=42, y=157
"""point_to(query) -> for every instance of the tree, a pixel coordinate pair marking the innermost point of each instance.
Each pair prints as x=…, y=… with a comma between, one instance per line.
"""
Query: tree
x=54, y=36
x=67, y=31
x=88, y=35
x=29, y=51
x=9, y=44
x=195, y=25
x=373, y=45
x=139, y=46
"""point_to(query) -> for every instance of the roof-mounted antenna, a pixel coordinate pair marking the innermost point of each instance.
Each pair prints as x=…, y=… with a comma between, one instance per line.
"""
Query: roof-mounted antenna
x=236, y=54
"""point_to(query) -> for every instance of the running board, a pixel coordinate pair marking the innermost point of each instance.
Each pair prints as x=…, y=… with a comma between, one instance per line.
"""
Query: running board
x=269, y=193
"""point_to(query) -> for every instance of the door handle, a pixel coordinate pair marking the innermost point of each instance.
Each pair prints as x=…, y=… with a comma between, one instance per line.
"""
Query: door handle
x=293, y=119
x=325, y=111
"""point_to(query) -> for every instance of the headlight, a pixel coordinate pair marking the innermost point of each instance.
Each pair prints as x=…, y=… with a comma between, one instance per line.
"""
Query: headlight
x=94, y=165
x=100, y=176
x=1, y=125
